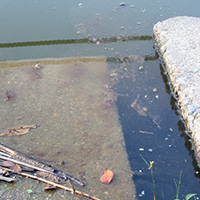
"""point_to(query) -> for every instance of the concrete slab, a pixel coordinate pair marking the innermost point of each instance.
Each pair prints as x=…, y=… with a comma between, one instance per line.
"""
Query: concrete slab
x=178, y=41
x=78, y=131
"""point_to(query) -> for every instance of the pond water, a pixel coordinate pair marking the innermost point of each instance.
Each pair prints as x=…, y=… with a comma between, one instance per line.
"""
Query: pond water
x=122, y=33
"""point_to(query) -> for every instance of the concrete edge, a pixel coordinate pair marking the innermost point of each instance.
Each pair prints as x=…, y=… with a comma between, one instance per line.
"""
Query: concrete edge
x=182, y=64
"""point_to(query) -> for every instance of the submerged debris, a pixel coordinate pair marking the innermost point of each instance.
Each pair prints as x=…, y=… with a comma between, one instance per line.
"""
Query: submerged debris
x=50, y=177
x=110, y=97
x=50, y=187
x=138, y=108
x=9, y=95
x=20, y=130
x=45, y=173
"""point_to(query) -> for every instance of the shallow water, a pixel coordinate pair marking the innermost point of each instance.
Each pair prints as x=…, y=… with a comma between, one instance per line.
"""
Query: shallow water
x=77, y=125
x=150, y=120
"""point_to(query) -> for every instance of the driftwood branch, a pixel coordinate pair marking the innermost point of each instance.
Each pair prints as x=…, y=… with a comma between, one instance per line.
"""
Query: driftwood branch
x=72, y=190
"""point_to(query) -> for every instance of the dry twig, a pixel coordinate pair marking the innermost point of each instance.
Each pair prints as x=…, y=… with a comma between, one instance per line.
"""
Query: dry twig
x=52, y=183
x=18, y=157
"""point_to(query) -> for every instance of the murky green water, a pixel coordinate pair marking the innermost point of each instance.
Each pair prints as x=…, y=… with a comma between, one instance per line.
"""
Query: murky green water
x=61, y=29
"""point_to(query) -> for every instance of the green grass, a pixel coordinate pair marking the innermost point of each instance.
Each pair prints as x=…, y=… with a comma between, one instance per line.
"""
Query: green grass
x=177, y=185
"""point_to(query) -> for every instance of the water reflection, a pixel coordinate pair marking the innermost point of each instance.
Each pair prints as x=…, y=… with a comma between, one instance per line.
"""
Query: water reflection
x=164, y=145
x=181, y=124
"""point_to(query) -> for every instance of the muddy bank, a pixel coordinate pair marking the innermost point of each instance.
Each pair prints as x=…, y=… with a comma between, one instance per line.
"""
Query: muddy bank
x=78, y=129
x=178, y=42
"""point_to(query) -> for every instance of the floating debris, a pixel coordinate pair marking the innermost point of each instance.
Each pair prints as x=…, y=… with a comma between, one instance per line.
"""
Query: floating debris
x=141, y=68
x=98, y=43
x=20, y=130
x=155, y=90
x=122, y=4
x=147, y=132
x=141, y=149
x=142, y=193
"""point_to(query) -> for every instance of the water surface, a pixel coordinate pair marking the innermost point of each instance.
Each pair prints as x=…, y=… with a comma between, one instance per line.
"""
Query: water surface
x=152, y=126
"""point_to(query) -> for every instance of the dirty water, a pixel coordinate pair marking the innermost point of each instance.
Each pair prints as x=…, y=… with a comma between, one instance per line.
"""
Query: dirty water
x=78, y=129
x=138, y=90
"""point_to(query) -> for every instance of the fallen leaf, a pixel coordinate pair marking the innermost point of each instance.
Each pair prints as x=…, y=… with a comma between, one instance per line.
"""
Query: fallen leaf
x=11, y=165
x=20, y=130
x=50, y=187
x=49, y=177
x=7, y=164
x=16, y=168
x=107, y=176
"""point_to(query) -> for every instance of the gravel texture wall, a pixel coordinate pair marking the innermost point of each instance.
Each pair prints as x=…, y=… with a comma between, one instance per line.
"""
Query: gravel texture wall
x=178, y=41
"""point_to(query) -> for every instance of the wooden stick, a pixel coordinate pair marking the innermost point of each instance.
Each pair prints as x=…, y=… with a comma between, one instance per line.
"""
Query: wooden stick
x=6, y=149
x=7, y=179
x=147, y=132
x=24, y=164
x=52, y=183
x=39, y=169
x=5, y=154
